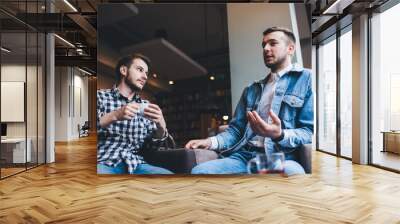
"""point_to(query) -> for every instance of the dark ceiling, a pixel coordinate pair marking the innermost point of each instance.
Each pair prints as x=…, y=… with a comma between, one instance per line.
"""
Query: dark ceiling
x=199, y=30
x=196, y=29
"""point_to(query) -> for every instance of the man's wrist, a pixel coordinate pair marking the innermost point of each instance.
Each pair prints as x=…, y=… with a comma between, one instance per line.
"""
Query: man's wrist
x=214, y=143
x=108, y=119
x=280, y=137
x=161, y=136
x=114, y=116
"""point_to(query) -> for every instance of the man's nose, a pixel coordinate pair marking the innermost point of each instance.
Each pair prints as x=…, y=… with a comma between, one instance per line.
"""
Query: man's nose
x=267, y=47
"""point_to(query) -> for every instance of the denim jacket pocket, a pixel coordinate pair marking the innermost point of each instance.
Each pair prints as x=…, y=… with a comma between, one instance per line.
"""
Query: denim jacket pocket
x=293, y=101
x=292, y=104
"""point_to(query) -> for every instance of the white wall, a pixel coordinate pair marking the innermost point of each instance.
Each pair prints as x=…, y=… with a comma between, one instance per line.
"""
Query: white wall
x=67, y=116
x=16, y=72
x=33, y=126
x=61, y=104
x=80, y=82
x=246, y=23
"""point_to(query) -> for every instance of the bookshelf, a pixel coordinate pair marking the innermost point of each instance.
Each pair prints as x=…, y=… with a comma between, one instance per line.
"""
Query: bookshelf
x=194, y=106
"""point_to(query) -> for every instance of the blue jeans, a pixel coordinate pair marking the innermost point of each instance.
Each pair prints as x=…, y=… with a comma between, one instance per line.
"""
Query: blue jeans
x=237, y=164
x=140, y=169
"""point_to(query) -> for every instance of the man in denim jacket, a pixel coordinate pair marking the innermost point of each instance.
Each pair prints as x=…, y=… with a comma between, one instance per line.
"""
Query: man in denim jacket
x=276, y=111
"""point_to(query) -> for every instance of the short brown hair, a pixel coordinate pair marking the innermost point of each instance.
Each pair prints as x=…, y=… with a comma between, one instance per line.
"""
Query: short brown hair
x=127, y=61
x=289, y=34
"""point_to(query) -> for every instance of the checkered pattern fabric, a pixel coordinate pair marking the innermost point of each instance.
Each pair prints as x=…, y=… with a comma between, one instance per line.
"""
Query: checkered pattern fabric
x=122, y=140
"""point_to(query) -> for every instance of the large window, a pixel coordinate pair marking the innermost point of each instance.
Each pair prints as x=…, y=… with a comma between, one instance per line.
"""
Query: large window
x=327, y=96
x=385, y=89
x=22, y=91
x=346, y=93
x=335, y=108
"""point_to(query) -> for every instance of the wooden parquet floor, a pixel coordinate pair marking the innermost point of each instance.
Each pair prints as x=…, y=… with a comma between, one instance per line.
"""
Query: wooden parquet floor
x=70, y=191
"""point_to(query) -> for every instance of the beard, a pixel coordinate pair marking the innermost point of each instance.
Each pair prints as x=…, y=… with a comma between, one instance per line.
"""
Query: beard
x=276, y=64
x=129, y=82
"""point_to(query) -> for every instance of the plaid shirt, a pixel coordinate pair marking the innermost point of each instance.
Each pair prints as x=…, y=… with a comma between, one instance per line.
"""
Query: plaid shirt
x=122, y=140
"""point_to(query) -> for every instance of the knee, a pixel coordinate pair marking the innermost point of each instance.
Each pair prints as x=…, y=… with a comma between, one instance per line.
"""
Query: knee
x=160, y=170
x=149, y=169
x=165, y=171
x=210, y=167
x=220, y=166
x=293, y=168
x=200, y=169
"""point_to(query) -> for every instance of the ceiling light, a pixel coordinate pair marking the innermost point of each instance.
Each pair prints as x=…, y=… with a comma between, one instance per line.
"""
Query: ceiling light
x=79, y=44
x=337, y=7
x=64, y=40
x=225, y=117
x=154, y=75
x=171, y=82
x=326, y=11
x=70, y=5
x=212, y=78
x=43, y=7
x=84, y=71
x=79, y=50
x=5, y=50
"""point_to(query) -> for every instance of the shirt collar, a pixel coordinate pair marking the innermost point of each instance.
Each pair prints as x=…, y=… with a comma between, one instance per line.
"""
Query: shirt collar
x=291, y=68
x=117, y=94
x=284, y=71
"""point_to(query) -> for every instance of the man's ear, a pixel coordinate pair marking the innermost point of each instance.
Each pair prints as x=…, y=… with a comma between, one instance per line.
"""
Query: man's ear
x=291, y=48
x=123, y=70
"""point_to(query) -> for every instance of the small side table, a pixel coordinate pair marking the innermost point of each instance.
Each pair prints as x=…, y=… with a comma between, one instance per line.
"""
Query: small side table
x=391, y=141
x=14, y=150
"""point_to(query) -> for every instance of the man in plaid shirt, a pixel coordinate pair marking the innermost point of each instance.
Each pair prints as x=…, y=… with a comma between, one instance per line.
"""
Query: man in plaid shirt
x=122, y=130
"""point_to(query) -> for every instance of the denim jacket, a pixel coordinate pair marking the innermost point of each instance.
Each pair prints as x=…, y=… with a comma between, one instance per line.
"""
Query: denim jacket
x=292, y=101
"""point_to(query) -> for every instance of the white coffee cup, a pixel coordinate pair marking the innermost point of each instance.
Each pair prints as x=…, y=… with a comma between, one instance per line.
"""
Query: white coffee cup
x=143, y=105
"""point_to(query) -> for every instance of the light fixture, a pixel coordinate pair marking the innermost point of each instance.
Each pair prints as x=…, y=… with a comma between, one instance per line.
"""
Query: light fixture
x=84, y=71
x=154, y=75
x=212, y=78
x=64, y=40
x=70, y=5
x=43, y=7
x=225, y=117
x=337, y=7
x=79, y=44
x=171, y=82
x=5, y=50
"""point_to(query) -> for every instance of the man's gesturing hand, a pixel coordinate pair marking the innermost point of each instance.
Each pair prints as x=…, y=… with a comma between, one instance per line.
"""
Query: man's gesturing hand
x=262, y=128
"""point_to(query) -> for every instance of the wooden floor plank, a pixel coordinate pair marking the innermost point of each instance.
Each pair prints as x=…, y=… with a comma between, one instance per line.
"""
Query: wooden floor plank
x=70, y=191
